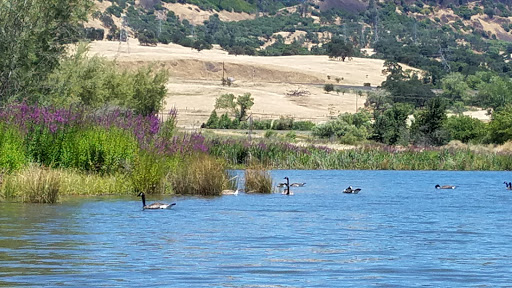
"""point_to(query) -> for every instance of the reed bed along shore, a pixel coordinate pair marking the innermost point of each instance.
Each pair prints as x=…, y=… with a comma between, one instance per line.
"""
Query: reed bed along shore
x=277, y=155
x=46, y=152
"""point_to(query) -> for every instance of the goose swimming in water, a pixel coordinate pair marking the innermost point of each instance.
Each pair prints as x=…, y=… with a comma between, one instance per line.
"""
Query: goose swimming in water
x=156, y=205
x=297, y=184
x=445, y=187
x=508, y=185
x=287, y=189
x=351, y=190
x=230, y=192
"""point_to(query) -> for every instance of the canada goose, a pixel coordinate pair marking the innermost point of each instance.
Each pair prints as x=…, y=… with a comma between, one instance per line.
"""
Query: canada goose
x=297, y=184
x=156, y=205
x=230, y=192
x=351, y=190
x=287, y=189
x=281, y=185
x=508, y=185
x=445, y=187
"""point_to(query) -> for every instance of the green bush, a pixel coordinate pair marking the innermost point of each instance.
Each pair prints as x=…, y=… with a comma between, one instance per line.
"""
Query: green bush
x=465, y=128
x=269, y=134
x=45, y=147
x=303, y=125
x=328, y=88
x=149, y=173
x=356, y=127
x=95, y=82
x=99, y=149
x=12, y=150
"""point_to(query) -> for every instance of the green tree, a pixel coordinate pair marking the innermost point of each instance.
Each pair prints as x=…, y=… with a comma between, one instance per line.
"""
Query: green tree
x=148, y=90
x=500, y=127
x=455, y=88
x=95, y=82
x=408, y=90
x=496, y=93
x=213, y=120
x=239, y=106
x=33, y=34
x=427, y=127
x=390, y=127
x=338, y=48
x=378, y=101
x=81, y=80
x=465, y=128
x=348, y=128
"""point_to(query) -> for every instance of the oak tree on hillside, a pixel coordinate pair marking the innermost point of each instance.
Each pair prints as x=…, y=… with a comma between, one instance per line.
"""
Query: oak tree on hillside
x=338, y=48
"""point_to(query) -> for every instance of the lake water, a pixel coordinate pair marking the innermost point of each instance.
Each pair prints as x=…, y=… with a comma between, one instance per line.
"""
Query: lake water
x=397, y=232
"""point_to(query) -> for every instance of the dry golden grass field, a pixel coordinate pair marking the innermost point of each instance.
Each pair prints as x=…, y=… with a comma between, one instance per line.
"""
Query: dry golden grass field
x=195, y=80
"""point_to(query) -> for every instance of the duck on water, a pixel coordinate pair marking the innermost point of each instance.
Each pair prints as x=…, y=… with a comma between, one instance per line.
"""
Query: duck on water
x=445, y=187
x=153, y=206
x=297, y=184
x=351, y=190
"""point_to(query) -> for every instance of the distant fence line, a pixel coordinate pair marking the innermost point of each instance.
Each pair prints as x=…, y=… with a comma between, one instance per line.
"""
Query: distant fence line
x=257, y=116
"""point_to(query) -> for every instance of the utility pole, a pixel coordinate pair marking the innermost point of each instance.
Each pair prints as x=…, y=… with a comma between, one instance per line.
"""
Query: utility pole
x=249, y=133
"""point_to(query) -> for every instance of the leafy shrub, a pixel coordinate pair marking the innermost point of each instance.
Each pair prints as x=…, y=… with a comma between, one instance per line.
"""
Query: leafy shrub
x=149, y=173
x=95, y=82
x=262, y=124
x=284, y=123
x=269, y=134
x=328, y=88
x=499, y=127
x=465, y=128
x=291, y=135
x=12, y=151
x=99, y=149
x=303, y=125
x=356, y=127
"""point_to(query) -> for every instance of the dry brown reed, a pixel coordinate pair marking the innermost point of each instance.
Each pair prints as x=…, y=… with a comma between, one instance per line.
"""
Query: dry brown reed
x=44, y=185
x=200, y=174
x=34, y=184
x=258, y=180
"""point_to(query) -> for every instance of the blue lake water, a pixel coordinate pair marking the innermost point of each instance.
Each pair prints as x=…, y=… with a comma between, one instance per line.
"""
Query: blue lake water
x=397, y=232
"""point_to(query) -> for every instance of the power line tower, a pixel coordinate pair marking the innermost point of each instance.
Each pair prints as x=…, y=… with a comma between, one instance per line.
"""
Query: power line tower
x=444, y=59
x=361, y=38
x=415, y=32
x=345, y=32
x=376, y=28
x=159, y=26
x=123, y=36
